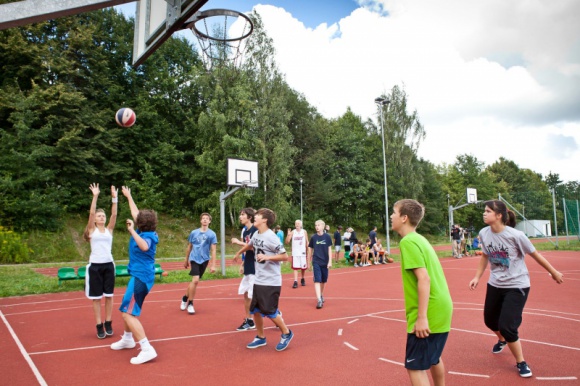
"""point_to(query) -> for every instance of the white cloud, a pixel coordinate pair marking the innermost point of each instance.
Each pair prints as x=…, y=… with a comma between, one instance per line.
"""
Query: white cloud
x=491, y=78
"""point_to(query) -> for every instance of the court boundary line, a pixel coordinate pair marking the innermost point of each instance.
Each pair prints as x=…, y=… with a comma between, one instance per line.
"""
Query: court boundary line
x=35, y=371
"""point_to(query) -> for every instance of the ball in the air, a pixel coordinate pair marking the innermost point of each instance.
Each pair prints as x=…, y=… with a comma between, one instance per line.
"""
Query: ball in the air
x=125, y=117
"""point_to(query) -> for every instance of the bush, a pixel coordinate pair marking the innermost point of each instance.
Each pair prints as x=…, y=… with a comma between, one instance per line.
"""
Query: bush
x=12, y=248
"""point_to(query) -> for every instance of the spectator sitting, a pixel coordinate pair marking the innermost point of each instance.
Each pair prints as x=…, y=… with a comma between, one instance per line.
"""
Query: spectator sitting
x=476, y=243
x=380, y=252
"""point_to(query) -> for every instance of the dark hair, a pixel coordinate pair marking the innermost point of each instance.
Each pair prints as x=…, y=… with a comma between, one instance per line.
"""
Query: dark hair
x=413, y=209
x=507, y=216
x=269, y=215
x=250, y=213
x=146, y=220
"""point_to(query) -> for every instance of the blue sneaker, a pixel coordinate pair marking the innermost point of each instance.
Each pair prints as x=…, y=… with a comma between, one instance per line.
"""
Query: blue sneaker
x=257, y=342
x=284, y=341
x=524, y=369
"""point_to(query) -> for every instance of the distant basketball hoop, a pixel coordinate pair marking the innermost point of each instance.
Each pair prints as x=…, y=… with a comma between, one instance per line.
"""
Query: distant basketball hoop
x=250, y=186
x=221, y=34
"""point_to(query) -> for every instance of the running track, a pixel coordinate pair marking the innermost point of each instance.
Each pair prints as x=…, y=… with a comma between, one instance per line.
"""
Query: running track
x=358, y=338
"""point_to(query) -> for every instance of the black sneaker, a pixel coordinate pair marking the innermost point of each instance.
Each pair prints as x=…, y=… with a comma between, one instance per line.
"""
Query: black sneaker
x=524, y=369
x=295, y=285
x=101, y=331
x=302, y=282
x=498, y=347
x=109, y=327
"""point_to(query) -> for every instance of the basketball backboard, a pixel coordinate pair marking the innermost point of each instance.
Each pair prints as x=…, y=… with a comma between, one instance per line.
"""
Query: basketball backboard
x=471, y=195
x=240, y=171
x=156, y=21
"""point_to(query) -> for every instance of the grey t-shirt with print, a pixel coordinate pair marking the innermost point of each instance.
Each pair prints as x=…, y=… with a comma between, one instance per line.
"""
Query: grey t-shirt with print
x=506, y=252
x=267, y=272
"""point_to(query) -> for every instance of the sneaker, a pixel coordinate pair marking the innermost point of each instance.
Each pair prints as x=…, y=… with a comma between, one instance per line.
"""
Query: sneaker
x=376, y=262
x=257, y=342
x=302, y=282
x=524, y=369
x=190, y=309
x=123, y=344
x=109, y=327
x=319, y=304
x=383, y=262
x=322, y=298
x=285, y=341
x=101, y=331
x=498, y=347
x=144, y=356
x=183, y=303
x=356, y=265
x=247, y=324
x=295, y=285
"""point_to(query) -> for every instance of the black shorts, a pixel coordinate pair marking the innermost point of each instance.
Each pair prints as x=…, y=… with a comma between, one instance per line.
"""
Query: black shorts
x=100, y=280
x=265, y=300
x=503, y=310
x=422, y=353
x=197, y=269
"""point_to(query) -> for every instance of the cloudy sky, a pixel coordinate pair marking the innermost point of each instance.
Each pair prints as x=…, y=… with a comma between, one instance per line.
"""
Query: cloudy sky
x=490, y=78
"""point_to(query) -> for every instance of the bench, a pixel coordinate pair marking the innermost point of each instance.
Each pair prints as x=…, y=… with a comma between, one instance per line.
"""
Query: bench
x=68, y=273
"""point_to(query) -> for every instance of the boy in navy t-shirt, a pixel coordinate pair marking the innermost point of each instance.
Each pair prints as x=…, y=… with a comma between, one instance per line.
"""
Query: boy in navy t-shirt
x=319, y=251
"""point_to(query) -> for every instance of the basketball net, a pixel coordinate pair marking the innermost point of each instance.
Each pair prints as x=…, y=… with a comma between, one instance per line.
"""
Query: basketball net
x=221, y=35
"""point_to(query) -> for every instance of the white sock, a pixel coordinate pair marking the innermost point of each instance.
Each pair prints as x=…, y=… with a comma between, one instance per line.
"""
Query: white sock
x=128, y=335
x=145, y=345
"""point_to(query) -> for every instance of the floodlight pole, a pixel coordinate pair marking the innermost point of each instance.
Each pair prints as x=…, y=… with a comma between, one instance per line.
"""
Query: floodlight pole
x=223, y=197
x=301, y=219
x=381, y=102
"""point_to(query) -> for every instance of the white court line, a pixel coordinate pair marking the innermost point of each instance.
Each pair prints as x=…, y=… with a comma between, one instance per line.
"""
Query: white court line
x=393, y=362
x=350, y=346
x=352, y=321
x=469, y=374
x=556, y=378
x=339, y=331
x=33, y=367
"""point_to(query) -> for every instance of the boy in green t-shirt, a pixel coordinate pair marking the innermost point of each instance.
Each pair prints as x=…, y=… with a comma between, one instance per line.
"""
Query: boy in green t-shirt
x=428, y=304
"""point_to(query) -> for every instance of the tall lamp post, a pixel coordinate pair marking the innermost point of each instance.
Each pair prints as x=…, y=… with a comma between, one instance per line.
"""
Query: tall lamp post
x=381, y=103
x=301, y=219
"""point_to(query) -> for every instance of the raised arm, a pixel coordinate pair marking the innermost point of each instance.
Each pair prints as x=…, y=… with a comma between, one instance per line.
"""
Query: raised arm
x=114, y=199
x=134, y=210
x=289, y=236
x=142, y=244
x=93, y=210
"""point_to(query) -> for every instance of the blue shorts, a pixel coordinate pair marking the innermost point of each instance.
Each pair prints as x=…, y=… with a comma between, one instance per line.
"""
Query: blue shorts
x=422, y=353
x=134, y=296
x=320, y=273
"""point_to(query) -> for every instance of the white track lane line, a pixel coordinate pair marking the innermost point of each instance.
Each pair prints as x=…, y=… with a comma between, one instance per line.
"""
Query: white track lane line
x=33, y=367
x=339, y=331
x=469, y=374
x=350, y=346
x=393, y=362
x=353, y=321
x=556, y=378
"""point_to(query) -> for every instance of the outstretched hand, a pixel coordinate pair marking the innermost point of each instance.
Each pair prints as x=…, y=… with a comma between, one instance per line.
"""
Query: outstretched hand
x=126, y=191
x=114, y=191
x=95, y=189
x=130, y=225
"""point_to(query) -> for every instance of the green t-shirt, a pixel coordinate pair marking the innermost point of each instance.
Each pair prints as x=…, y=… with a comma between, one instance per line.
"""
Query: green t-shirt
x=416, y=252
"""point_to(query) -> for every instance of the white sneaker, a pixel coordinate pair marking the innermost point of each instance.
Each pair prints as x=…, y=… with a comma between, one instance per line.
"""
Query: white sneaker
x=356, y=265
x=144, y=356
x=123, y=344
x=376, y=262
x=190, y=309
x=183, y=306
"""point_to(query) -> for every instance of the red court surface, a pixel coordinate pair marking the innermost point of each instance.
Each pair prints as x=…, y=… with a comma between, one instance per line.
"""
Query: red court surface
x=358, y=338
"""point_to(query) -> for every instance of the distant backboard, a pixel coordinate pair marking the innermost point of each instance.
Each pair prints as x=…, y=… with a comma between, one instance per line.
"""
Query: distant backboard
x=471, y=195
x=240, y=170
x=156, y=21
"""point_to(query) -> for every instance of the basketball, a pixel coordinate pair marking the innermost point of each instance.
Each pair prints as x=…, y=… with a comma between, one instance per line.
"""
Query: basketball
x=125, y=117
x=390, y=259
x=164, y=273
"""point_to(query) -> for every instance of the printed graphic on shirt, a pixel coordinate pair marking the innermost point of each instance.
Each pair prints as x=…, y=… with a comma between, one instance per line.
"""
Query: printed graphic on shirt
x=498, y=256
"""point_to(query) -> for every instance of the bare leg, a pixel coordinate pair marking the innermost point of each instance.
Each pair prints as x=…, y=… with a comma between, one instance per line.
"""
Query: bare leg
x=279, y=322
x=97, y=310
x=247, y=302
x=317, y=290
x=296, y=275
x=322, y=285
x=259, y=321
x=192, y=288
x=438, y=373
x=516, y=349
x=132, y=324
x=418, y=377
x=108, y=309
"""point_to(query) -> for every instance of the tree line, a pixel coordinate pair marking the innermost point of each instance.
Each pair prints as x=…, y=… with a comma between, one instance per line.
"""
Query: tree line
x=61, y=82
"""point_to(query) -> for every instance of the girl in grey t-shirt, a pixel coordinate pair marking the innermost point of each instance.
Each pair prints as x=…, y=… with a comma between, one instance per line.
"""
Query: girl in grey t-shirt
x=509, y=282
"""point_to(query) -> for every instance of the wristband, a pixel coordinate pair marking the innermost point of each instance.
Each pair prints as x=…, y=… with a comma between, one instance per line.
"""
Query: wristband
x=114, y=200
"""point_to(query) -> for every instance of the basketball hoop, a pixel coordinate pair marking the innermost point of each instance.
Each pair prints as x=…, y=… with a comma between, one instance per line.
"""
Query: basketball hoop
x=221, y=34
x=250, y=186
